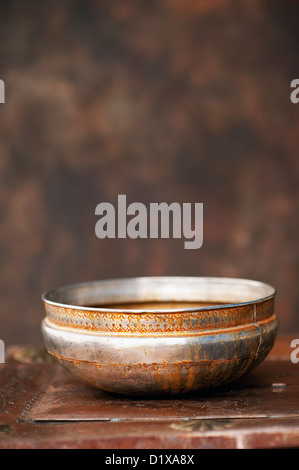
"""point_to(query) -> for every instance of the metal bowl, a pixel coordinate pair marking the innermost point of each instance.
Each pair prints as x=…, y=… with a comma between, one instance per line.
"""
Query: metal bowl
x=160, y=335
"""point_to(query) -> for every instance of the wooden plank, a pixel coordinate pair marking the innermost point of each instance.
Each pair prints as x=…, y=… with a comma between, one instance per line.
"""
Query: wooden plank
x=270, y=391
x=41, y=406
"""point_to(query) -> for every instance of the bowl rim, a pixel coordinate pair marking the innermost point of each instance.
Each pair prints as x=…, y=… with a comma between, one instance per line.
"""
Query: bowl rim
x=46, y=296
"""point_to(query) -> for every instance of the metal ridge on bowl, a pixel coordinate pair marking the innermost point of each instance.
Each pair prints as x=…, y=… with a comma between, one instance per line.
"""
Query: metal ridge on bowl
x=160, y=350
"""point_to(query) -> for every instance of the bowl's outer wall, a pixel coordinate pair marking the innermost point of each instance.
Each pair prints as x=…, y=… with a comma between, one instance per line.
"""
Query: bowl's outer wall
x=160, y=353
x=162, y=364
x=146, y=352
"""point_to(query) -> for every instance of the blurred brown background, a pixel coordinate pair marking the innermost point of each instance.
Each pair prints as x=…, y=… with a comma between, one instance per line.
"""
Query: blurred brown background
x=169, y=100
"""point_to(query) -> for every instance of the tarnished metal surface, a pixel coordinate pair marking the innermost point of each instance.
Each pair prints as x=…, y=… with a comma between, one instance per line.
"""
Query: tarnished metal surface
x=158, y=351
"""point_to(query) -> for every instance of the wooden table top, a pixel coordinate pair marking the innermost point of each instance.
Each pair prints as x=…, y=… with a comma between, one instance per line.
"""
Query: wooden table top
x=41, y=406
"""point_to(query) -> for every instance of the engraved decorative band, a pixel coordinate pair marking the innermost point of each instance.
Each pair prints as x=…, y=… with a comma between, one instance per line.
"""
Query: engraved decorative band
x=155, y=323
